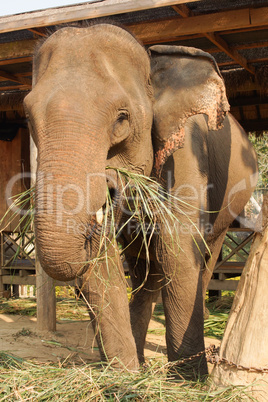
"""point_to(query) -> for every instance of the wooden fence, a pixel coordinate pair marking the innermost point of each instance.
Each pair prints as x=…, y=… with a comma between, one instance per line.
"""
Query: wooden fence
x=17, y=261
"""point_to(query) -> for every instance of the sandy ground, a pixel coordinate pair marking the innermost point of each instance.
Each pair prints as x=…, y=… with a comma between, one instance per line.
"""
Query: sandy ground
x=73, y=341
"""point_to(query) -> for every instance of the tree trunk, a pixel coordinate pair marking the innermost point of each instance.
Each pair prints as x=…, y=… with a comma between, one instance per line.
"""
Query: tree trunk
x=245, y=341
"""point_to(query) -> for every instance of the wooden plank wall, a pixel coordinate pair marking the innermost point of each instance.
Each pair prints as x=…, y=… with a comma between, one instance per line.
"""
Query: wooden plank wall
x=14, y=159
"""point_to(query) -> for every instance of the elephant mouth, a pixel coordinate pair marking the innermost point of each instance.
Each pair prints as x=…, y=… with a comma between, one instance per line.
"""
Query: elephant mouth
x=103, y=225
x=95, y=224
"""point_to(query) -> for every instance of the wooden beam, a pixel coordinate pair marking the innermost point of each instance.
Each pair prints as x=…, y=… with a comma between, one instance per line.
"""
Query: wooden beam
x=250, y=45
x=241, y=30
x=216, y=284
x=241, y=245
x=156, y=31
x=15, y=61
x=248, y=101
x=215, y=49
x=227, y=32
x=232, y=53
x=241, y=111
x=4, y=76
x=19, y=280
x=258, y=112
x=15, y=50
x=149, y=32
x=26, y=74
x=254, y=125
x=185, y=12
x=40, y=32
x=79, y=12
x=172, y=39
x=12, y=102
x=259, y=16
x=14, y=88
x=231, y=63
x=241, y=46
x=231, y=267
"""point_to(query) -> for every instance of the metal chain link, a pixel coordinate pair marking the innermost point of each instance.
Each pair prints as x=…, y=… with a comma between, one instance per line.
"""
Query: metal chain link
x=212, y=356
x=208, y=351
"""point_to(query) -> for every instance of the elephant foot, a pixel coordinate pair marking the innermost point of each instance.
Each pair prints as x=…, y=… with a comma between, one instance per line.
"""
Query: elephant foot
x=191, y=370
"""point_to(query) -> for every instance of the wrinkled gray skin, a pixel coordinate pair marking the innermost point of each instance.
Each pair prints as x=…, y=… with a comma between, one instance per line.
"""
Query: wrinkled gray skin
x=100, y=100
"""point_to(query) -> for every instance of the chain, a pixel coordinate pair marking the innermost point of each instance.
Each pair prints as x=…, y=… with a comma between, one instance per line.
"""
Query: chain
x=208, y=351
x=212, y=355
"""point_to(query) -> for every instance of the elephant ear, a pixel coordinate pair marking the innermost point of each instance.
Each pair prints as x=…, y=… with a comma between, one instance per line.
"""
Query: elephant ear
x=186, y=82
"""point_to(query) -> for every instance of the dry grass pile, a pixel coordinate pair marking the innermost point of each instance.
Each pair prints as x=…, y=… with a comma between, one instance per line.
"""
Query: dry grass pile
x=25, y=381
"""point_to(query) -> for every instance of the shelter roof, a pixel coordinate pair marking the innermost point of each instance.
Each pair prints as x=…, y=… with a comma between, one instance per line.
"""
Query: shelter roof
x=235, y=32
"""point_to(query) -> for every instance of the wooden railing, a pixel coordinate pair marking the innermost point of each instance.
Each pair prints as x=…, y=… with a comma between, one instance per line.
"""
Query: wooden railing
x=232, y=264
x=17, y=261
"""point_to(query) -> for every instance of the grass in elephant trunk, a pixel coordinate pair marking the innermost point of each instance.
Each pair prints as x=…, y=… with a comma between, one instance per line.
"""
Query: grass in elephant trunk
x=150, y=205
x=24, y=380
x=152, y=210
x=145, y=202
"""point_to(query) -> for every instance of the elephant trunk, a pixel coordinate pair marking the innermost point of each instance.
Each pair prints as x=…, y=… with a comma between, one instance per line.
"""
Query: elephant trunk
x=70, y=189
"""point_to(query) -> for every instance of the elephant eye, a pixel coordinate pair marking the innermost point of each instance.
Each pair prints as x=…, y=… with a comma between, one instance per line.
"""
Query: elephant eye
x=122, y=116
x=121, y=127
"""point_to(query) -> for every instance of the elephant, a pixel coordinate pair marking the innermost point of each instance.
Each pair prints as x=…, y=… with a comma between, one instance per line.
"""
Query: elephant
x=100, y=99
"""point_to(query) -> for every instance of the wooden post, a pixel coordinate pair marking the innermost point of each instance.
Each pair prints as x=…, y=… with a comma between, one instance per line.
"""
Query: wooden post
x=46, y=300
x=16, y=291
x=1, y=264
x=45, y=289
x=245, y=341
x=1, y=285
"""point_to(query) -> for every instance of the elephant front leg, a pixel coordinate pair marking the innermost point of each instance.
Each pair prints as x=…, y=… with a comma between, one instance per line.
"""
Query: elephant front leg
x=183, y=306
x=105, y=290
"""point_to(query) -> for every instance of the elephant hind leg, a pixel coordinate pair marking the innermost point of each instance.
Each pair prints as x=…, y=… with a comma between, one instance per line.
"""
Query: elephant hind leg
x=146, y=285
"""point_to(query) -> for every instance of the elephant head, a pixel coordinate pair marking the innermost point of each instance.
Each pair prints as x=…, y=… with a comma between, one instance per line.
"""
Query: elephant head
x=92, y=106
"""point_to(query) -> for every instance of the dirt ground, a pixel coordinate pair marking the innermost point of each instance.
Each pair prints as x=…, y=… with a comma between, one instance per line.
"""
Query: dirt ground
x=73, y=341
